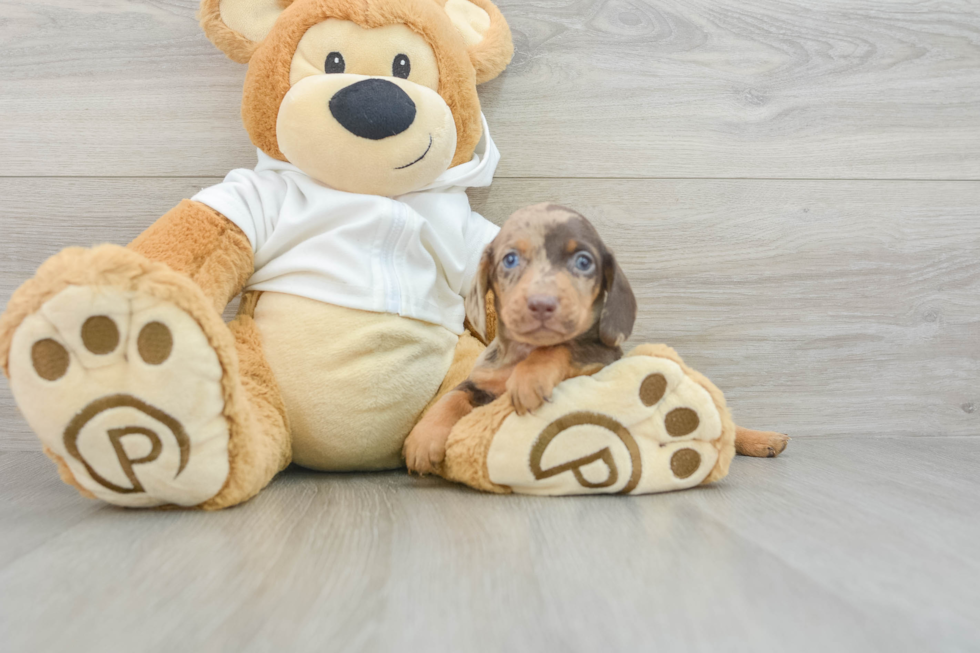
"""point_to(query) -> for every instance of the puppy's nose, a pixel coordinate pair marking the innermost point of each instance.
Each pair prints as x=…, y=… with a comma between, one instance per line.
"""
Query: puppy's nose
x=542, y=306
x=373, y=108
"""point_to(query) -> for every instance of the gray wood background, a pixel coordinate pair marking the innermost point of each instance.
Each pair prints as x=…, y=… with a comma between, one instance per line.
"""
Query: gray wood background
x=793, y=188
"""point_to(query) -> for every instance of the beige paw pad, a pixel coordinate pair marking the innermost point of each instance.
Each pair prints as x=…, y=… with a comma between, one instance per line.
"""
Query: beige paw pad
x=643, y=424
x=127, y=390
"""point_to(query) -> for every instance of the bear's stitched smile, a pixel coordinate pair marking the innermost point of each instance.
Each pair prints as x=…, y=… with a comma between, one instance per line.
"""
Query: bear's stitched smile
x=418, y=159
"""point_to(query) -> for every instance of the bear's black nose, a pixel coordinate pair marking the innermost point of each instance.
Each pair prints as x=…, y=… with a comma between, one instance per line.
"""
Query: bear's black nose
x=373, y=108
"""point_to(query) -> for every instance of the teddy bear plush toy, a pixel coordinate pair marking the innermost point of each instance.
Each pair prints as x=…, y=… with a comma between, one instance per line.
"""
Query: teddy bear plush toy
x=352, y=242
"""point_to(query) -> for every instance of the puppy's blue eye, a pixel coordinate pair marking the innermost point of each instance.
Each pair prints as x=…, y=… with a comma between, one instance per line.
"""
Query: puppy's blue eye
x=583, y=262
x=511, y=260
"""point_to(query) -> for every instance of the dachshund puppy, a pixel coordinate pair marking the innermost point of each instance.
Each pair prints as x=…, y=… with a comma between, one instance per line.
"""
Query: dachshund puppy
x=564, y=308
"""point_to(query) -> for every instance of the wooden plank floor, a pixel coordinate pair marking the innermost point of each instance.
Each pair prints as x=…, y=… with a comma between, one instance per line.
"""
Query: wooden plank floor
x=793, y=188
x=844, y=544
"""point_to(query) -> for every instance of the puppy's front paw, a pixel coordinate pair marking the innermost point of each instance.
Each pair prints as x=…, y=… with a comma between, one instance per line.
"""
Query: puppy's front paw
x=534, y=379
x=425, y=447
x=528, y=391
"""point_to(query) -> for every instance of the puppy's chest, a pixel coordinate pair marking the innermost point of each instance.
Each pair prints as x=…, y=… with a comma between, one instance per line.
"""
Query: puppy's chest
x=496, y=364
x=506, y=355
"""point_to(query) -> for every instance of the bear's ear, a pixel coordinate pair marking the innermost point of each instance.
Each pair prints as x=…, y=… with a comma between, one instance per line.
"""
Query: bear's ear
x=485, y=33
x=237, y=27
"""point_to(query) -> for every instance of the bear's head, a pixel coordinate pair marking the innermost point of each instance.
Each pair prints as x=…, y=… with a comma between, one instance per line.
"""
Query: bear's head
x=365, y=96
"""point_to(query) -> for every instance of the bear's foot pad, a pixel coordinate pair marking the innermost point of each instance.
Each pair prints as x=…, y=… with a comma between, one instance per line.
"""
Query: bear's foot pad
x=644, y=424
x=125, y=388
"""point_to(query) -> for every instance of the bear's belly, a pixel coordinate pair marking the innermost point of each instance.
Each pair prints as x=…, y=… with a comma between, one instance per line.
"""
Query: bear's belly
x=353, y=382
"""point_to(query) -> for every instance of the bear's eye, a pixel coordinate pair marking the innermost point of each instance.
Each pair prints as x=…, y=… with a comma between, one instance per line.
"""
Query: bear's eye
x=334, y=63
x=401, y=66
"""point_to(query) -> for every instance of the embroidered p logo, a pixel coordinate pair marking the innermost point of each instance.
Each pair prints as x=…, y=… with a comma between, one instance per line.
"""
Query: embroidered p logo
x=97, y=418
x=555, y=429
x=643, y=424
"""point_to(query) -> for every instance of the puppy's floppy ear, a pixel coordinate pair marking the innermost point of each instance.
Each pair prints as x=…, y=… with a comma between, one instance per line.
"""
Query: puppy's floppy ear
x=486, y=34
x=476, y=301
x=236, y=27
x=619, y=306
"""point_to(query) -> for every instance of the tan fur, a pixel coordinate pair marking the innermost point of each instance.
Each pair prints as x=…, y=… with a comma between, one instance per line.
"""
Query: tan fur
x=531, y=233
x=492, y=54
x=486, y=331
x=197, y=260
x=490, y=313
x=424, y=447
x=468, y=349
x=251, y=455
x=423, y=455
x=493, y=379
x=460, y=68
x=468, y=445
x=759, y=444
x=535, y=377
x=196, y=240
x=260, y=448
x=489, y=57
x=523, y=361
x=575, y=297
x=237, y=47
x=469, y=442
x=248, y=302
x=267, y=81
x=478, y=299
x=354, y=381
x=726, y=443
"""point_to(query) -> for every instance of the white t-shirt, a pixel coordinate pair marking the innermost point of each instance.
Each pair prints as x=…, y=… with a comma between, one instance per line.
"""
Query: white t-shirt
x=413, y=255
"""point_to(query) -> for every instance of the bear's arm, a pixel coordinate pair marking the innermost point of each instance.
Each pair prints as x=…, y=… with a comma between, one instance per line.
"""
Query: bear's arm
x=196, y=240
